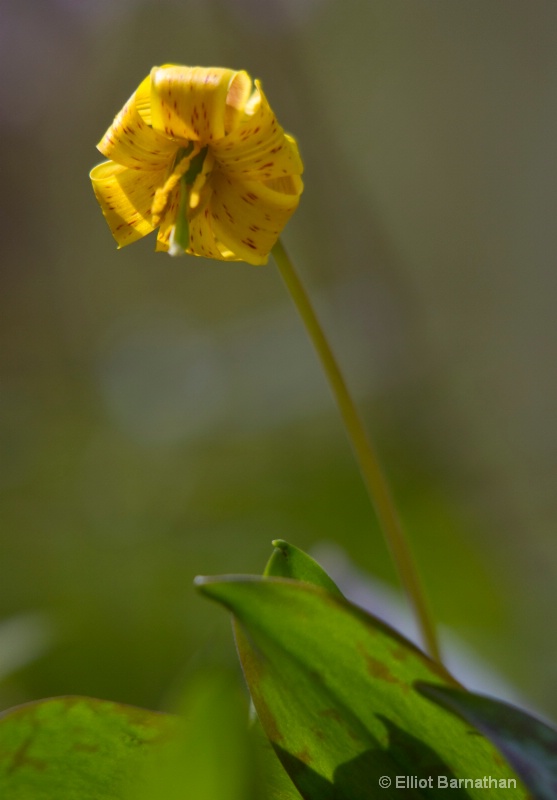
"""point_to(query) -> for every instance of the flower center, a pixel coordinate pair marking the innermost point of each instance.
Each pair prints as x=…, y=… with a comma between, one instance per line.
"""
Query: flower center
x=192, y=167
x=182, y=165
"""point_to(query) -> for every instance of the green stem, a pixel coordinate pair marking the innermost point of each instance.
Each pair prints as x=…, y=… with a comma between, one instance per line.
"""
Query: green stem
x=369, y=464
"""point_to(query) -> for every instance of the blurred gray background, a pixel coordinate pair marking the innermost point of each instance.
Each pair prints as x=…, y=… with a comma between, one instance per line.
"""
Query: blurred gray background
x=161, y=418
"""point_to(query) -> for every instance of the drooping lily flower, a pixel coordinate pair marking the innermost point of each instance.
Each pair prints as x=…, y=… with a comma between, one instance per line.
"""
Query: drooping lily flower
x=198, y=153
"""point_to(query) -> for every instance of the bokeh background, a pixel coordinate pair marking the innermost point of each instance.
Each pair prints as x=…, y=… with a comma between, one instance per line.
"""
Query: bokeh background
x=162, y=418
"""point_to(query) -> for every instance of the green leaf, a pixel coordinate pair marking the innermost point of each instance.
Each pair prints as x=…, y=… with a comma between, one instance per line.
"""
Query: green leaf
x=274, y=783
x=529, y=745
x=333, y=688
x=76, y=748
x=288, y=561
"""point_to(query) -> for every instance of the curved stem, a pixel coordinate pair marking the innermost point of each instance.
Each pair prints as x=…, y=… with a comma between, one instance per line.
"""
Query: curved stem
x=369, y=464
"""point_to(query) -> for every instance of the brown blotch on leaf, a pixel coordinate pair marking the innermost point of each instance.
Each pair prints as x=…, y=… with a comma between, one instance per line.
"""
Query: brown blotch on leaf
x=304, y=756
x=331, y=713
x=378, y=670
x=22, y=759
x=399, y=653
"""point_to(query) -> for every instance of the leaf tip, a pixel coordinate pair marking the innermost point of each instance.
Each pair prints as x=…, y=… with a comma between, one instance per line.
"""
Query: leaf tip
x=202, y=583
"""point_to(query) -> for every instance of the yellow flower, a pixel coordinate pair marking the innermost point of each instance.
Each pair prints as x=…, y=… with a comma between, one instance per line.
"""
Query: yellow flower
x=199, y=154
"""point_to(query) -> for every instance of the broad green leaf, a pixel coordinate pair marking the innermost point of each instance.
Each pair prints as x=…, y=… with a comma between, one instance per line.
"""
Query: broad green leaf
x=333, y=688
x=76, y=748
x=288, y=561
x=528, y=744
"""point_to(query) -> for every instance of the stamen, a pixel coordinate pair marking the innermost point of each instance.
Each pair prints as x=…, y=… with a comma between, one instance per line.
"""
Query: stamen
x=181, y=167
x=201, y=180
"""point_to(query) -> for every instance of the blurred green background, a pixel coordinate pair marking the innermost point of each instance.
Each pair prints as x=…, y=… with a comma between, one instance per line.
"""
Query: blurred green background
x=162, y=418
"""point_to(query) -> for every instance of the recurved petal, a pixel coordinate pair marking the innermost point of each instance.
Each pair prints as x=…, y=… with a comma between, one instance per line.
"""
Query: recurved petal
x=239, y=93
x=131, y=141
x=248, y=216
x=125, y=196
x=203, y=241
x=197, y=103
x=258, y=148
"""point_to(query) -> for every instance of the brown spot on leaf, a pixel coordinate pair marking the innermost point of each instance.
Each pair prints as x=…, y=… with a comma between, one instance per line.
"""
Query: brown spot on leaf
x=304, y=756
x=331, y=713
x=21, y=758
x=379, y=670
x=399, y=653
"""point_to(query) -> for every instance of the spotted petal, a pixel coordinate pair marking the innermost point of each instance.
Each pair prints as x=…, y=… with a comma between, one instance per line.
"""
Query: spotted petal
x=203, y=241
x=248, y=216
x=131, y=141
x=197, y=103
x=125, y=196
x=258, y=148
